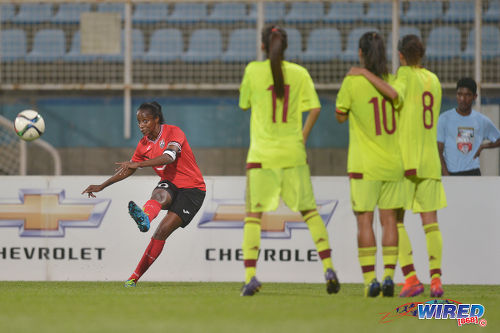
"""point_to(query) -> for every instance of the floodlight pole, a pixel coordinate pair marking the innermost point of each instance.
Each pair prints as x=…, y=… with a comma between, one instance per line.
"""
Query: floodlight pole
x=477, y=52
x=395, y=35
x=260, y=26
x=127, y=72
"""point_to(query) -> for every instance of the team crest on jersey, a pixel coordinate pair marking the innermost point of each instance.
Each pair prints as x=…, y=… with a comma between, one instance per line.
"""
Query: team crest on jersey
x=162, y=144
x=465, y=139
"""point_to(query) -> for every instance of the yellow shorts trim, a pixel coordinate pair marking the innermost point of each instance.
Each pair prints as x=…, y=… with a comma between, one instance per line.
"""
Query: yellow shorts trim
x=265, y=187
x=368, y=194
x=425, y=195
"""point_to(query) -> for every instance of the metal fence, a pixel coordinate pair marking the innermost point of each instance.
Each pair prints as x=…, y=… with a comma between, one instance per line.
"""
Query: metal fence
x=193, y=45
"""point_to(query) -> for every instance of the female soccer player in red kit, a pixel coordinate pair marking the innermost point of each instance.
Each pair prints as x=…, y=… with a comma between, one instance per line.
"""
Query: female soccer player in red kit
x=181, y=189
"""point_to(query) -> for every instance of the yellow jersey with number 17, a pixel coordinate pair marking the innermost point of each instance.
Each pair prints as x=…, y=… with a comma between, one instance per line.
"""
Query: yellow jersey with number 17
x=276, y=139
x=420, y=92
x=373, y=126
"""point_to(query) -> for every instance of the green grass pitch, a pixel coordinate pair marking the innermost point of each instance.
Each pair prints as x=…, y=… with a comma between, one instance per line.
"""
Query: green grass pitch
x=88, y=307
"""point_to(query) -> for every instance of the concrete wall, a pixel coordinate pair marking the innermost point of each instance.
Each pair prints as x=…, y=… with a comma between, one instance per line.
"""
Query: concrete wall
x=212, y=161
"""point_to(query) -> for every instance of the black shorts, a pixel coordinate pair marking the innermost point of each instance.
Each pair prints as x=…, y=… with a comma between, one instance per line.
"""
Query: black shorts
x=186, y=202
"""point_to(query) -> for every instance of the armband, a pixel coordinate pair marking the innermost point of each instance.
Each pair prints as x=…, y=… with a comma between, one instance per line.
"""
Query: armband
x=171, y=153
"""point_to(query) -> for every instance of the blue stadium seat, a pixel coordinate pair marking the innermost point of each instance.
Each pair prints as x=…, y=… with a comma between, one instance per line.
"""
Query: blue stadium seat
x=305, y=12
x=351, y=52
x=33, y=13
x=323, y=44
x=205, y=45
x=344, y=12
x=111, y=8
x=13, y=45
x=403, y=31
x=421, y=12
x=443, y=43
x=48, y=45
x=150, y=13
x=273, y=11
x=70, y=12
x=294, y=50
x=242, y=46
x=228, y=13
x=460, y=11
x=165, y=45
x=490, y=43
x=137, y=47
x=8, y=12
x=188, y=13
x=493, y=12
x=74, y=54
x=379, y=12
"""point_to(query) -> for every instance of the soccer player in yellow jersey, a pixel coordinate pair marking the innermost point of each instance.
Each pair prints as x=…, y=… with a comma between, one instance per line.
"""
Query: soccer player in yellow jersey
x=419, y=90
x=278, y=92
x=374, y=163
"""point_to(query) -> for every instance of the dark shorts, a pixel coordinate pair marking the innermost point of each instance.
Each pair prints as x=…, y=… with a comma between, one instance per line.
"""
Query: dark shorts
x=472, y=172
x=186, y=202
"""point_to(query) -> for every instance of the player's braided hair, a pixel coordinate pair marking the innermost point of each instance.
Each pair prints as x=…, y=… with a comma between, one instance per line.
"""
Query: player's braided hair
x=154, y=108
x=412, y=49
x=275, y=42
x=372, y=49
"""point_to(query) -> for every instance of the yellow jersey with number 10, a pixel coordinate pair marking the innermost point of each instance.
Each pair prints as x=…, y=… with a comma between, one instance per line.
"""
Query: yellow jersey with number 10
x=373, y=126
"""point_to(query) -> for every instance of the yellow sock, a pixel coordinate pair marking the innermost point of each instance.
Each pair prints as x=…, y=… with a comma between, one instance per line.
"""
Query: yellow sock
x=250, y=246
x=367, y=258
x=434, y=248
x=320, y=237
x=390, y=255
x=405, y=253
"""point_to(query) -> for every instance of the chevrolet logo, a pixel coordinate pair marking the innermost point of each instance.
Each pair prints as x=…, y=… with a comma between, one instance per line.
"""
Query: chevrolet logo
x=278, y=224
x=46, y=213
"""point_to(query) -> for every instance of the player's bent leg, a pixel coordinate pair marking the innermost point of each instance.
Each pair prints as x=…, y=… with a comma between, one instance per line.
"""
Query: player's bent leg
x=367, y=250
x=168, y=225
x=152, y=252
x=251, y=246
x=320, y=238
x=434, y=249
x=140, y=218
x=389, y=249
x=412, y=286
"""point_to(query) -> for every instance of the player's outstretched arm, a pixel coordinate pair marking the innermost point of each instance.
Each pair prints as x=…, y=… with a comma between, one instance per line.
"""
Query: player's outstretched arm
x=383, y=87
x=310, y=121
x=91, y=189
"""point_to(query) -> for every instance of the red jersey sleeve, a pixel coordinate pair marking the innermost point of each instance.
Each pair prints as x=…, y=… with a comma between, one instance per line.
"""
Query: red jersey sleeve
x=139, y=153
x=177, y=138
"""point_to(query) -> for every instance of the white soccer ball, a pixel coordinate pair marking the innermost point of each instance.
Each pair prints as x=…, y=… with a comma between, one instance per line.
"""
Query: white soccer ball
x=29, y=125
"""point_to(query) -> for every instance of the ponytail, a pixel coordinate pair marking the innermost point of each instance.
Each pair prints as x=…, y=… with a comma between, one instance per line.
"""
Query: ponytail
x=274, y=39
x=372, y=49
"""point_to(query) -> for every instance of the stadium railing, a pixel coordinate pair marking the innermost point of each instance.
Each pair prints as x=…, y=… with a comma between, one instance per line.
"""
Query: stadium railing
x=95, y=57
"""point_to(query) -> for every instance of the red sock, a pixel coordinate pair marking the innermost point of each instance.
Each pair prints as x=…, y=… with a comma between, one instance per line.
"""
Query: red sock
x=152, y=252
x=152, y=208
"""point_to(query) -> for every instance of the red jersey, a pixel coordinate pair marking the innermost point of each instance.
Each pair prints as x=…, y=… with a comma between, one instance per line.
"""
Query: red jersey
x=184, y=171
